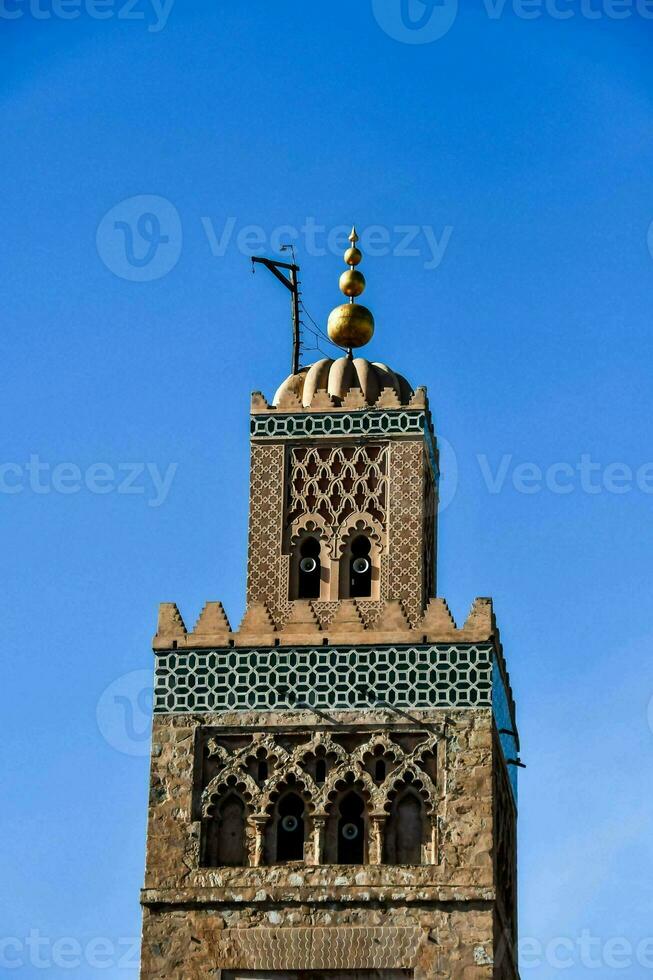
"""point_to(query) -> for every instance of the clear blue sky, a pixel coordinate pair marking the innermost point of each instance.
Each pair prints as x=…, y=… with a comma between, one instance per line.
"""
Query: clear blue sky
x=530, y=140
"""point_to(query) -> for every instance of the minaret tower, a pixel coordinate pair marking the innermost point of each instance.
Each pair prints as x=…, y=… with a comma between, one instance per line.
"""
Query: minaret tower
x=333, y=784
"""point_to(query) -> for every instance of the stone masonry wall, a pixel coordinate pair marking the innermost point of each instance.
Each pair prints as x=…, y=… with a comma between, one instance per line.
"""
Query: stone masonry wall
x=464, y=824
x=199, y=921
x=189, y=943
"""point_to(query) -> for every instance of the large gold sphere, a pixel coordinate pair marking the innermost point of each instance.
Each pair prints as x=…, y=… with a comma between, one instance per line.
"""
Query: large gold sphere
x=350, y=325
x=352, y=282
x=353, y=256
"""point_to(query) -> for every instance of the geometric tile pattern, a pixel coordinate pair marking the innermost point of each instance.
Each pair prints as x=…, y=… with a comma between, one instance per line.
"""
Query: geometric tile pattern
x=407, y=531
x=345, y=677
x=265, y=526
x=322, y=948
x=337, y=424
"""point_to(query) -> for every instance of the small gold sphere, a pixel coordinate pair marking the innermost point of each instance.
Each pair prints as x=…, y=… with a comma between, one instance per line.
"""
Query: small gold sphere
x=352, y=283
x=350, y=325
x=353, y=256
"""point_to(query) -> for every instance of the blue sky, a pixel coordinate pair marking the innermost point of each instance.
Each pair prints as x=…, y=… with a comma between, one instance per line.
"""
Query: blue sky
x=521, y=146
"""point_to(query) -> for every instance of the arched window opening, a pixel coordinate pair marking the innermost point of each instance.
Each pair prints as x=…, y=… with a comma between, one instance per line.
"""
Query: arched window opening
x=225, y=835
x=379, y=770
x=320, y=772
x=351, y=830
x=309, y=571
x=360, y=569
x=405, y=830
x=263, y=770
x=290, y=828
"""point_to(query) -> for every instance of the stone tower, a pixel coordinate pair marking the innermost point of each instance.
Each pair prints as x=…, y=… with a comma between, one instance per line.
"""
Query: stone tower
x=333, y=785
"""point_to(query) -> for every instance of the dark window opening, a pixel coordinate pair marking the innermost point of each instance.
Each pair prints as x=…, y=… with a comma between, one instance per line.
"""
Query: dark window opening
x=379, y=770
x=360, y=569
x=320, y=771
x=309, y=571
x=351, y=830
x=405, y=830
x=263, y=770
x=290, y=829
x=225, y=835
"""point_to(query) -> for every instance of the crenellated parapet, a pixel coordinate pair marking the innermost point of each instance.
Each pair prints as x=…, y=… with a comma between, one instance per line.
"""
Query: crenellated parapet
x=309, y=622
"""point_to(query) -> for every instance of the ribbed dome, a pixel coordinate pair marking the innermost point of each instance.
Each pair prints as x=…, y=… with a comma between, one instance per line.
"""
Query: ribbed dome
x=341, y=376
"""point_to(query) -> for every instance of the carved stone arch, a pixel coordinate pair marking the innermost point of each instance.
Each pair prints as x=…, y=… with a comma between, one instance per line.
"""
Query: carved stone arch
x=305, y=528
x=311, y=525
x=431, y=746
x=268, y=744
x=262, y=757
x=290, y=778
x=409, y=830
x=217, y=751
x=295, y=788
x=381, y=740
x=379, y=757
x=349, y=803
x=421, y=783
x=358, y=523
x=233, y=780
x=320, y=744
x=349, y=776
x=419, y=757
x=321, y=749
x=225, y=837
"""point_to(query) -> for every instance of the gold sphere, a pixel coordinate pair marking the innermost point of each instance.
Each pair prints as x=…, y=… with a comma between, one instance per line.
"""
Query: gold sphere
x=350, y=325
x=352, y=282
x=353, y=256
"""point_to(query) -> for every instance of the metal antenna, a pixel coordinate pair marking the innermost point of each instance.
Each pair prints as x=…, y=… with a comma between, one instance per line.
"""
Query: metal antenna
x=291, y=283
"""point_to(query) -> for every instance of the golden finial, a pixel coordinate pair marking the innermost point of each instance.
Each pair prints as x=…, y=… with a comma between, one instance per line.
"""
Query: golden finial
x=353, y=255
x=351, y=325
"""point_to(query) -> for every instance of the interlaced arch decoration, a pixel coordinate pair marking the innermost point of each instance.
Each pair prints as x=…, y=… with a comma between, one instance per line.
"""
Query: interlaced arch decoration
x=263, y=743
x=347, y=769
x=381, y=742
x=321, y=745
x=226, y=782
x=337, y=481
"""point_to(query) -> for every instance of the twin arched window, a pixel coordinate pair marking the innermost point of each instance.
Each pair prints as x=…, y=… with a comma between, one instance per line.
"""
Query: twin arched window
x=355, y=578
